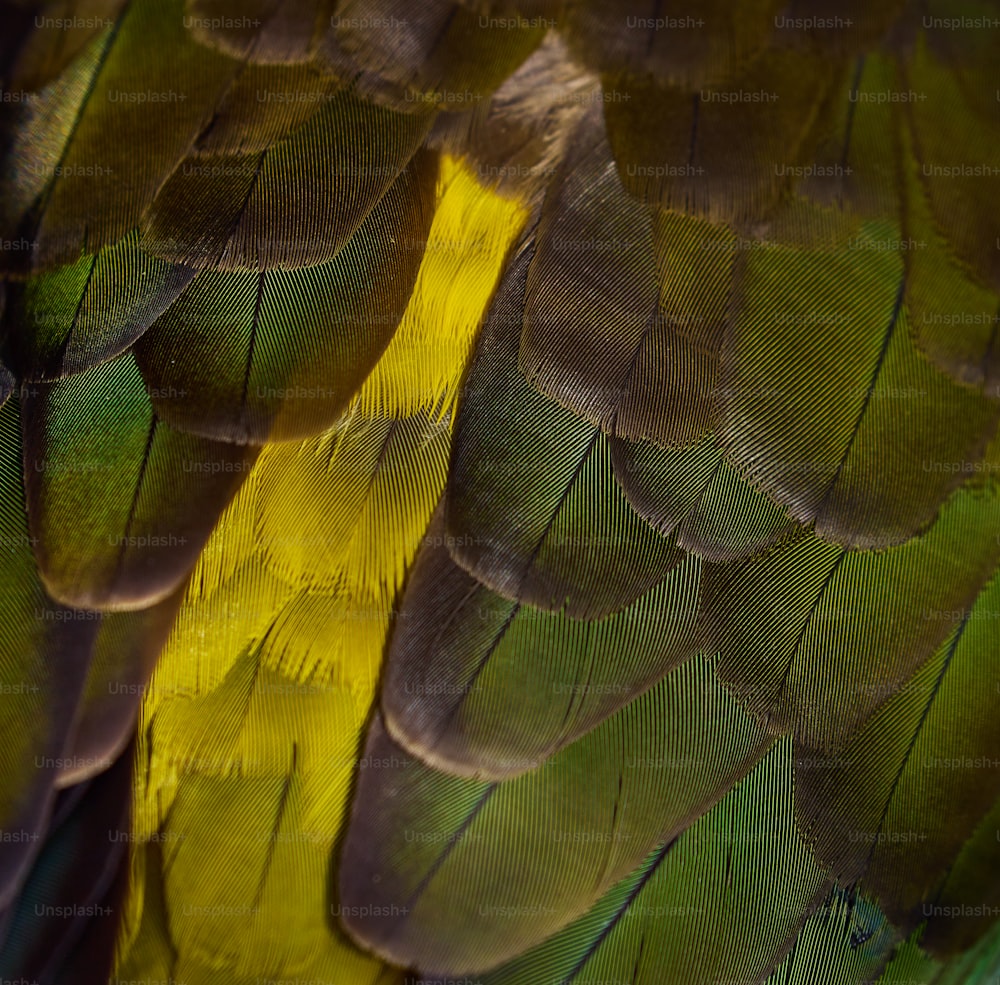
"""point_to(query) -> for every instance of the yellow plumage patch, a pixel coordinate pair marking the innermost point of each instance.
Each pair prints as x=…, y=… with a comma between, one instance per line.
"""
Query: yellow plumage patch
x=250, y=727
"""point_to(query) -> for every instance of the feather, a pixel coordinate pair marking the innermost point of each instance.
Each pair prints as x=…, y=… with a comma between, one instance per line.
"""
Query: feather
x=482, y=686
x=61, y=720
x=675, y=148
x=264, y=105
x=121, y=663
x=954, y=140
x=814, y=637
x=44, y=653
x=954, y=310
x=955, y=320
x=146, y=947
x=70, y=901
x=442, y=53
x=851, y=159
x=715, y=511
x=296, y=203
x=456, y=876
x=625, y=310
x=518, y=136
x=129, y=542
x=684, y=46
x=846, y=938
x=838, y=25
x=682, y=915
x=467, y=249
x=269, y=353
x=979, y=966
x=900, y=801
x=961, y=912
x=247, y=758
x=258, y=720
x=59, y=31
x=864, y=478
x=67, y=320
x=910, y=963
x=35, y=134
x=156, y=954
x=261, y=793
x=132, y=129
x=262, y=31
x=360, y=494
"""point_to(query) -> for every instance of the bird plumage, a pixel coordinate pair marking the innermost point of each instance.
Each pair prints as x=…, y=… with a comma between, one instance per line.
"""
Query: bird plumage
x=499, y=491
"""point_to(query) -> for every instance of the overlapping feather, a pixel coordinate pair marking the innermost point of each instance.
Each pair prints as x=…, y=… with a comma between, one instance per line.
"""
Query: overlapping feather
x=736, y=392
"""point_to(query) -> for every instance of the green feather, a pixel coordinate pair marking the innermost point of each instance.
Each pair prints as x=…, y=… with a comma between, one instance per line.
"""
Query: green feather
x=481, y=685
x=457, y=875
x=814, y=637
x=66, y=320
x=696, y=491
x=112, y=525
x=683, y=914
x=899, y=802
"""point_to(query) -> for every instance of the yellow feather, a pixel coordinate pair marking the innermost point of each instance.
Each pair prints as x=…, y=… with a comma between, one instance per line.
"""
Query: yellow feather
x=469, y=240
